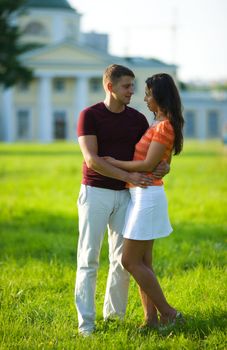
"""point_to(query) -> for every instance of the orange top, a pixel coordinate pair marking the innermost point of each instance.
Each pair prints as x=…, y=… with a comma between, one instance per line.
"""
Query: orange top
x=161, y=132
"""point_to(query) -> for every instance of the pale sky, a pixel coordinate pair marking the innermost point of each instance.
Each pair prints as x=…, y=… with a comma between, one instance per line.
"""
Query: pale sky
x=189, y=33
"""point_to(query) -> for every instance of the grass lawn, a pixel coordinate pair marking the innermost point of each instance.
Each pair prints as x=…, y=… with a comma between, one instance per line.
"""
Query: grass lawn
x=39, y=185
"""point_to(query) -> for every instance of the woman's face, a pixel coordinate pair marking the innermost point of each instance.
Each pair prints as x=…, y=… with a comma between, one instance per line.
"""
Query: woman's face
x=150, y=101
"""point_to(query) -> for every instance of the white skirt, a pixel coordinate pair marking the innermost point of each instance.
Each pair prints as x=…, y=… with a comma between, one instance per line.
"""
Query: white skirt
x=147, y=214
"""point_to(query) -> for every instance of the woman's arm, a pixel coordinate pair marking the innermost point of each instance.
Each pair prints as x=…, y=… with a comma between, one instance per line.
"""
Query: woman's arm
x=154, y=156
x=89, y=147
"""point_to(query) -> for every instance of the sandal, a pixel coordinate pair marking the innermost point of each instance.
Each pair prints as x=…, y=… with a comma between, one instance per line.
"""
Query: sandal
x=177, y=320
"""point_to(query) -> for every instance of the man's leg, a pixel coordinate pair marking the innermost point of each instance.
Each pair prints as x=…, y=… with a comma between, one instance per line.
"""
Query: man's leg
x=94, y=209
x=118, y=278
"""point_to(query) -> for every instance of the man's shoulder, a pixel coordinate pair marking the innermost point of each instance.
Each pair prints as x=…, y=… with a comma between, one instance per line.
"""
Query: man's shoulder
x=88, y=118
x=94, y=108
x=138, y=116
x=135, y=112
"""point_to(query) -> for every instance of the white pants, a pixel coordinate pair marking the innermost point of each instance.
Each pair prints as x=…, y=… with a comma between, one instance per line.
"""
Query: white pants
x=98, y=209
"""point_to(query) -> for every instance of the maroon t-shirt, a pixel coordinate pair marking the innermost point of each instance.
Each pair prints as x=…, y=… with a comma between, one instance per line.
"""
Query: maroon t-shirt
x=117, y=134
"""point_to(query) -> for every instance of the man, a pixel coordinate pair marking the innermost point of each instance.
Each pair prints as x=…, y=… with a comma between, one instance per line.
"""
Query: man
x=106, y=128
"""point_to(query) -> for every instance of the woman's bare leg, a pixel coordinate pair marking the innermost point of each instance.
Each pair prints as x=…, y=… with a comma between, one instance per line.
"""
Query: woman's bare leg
x=133, y=261
x=150, y=311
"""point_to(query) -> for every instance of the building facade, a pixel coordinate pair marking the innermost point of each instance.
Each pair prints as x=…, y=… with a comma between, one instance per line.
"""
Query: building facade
x=68, y=71
x=205, y=114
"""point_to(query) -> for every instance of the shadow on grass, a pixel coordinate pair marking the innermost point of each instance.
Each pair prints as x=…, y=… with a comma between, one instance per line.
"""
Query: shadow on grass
x=188, y=246
x=45, y=236
x=197, y=327
x=40, y=235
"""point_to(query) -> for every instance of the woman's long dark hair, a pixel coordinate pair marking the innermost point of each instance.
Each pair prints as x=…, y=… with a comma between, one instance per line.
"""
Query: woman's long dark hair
x=168, y=99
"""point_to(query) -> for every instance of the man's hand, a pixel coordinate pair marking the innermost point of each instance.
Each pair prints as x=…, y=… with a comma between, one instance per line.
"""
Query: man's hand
x=139, y=179
x=161, y=170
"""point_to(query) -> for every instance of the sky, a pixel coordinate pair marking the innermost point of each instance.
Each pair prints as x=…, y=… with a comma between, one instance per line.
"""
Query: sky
x=189, y=33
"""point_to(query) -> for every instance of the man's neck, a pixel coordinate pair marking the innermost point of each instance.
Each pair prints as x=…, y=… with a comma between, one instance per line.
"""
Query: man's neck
x=114, y=106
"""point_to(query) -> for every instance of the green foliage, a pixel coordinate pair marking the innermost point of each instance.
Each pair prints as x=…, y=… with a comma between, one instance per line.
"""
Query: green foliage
x=11, y=68
x=222, y=86
x=38, y=234
x=203, y=87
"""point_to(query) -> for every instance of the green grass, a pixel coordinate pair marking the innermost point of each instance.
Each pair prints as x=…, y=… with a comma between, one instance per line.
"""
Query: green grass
x=39, y=185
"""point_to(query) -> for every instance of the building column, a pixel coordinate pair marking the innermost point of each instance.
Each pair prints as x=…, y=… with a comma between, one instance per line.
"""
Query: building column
x=45, y=110
x=81, y=96
x=201, y=132
x=8, y=120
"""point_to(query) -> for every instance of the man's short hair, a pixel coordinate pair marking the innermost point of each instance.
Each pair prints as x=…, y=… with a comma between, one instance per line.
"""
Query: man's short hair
x=115, y=72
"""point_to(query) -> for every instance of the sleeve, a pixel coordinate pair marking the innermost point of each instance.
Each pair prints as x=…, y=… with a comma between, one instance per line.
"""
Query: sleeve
x=86, y=123
x=164, y=134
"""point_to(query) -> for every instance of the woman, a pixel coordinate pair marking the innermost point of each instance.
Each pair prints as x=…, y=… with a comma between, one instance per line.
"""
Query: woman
x=147, y=216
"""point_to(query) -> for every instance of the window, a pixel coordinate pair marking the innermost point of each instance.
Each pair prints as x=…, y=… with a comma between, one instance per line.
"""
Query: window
x=189, y=128
x=95, y=84
x=23, y=86
x=35, y=28
x=60, y=125
x=23, y=125
x=212, y=124
x=59, y=85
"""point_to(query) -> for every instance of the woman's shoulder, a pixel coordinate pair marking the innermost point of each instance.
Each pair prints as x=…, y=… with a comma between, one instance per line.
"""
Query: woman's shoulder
x=165, y=125
x=165, y=122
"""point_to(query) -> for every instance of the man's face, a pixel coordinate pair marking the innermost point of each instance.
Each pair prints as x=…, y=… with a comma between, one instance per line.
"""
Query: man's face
x=123, y=90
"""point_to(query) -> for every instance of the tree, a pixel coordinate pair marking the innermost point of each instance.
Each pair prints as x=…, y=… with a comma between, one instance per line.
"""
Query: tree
x=183, y=86
x=11, y=68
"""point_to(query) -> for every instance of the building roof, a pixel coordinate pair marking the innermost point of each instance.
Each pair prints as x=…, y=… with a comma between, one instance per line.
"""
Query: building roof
x=54, y=4
x=94, y=57
x=147, y=62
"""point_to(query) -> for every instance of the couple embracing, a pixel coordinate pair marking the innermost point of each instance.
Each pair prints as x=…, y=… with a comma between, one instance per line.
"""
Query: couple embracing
x=122, y=189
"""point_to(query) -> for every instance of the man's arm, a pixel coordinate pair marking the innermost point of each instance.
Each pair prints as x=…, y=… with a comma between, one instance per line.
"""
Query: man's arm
x=89, y=147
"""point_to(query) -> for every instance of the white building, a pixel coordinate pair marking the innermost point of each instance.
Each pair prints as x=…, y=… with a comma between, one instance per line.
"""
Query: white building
x=205, y=114
x=68, y=72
